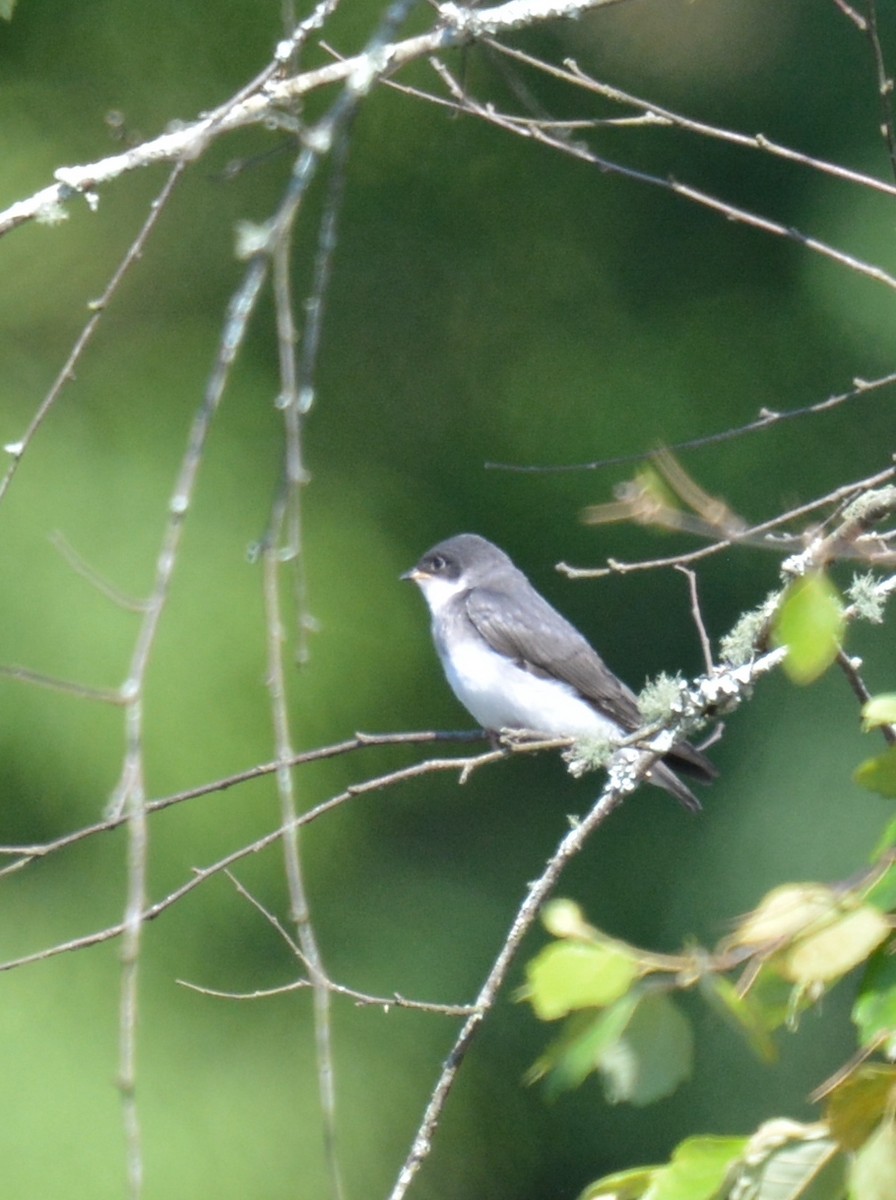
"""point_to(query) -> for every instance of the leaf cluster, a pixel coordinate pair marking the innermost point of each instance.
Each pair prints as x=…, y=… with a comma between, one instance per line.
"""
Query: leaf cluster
x=625, y=1024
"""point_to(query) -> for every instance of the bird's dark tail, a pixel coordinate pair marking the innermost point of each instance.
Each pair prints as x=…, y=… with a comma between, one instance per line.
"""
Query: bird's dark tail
x=663, y=777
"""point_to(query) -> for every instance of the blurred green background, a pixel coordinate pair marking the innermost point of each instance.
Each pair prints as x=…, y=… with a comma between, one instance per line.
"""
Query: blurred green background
x=492, y=300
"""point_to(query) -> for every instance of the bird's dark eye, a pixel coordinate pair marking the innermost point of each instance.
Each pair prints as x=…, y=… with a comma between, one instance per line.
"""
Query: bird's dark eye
x=438, y=563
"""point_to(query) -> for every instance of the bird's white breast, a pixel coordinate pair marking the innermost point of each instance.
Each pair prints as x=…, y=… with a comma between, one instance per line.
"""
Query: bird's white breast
x=501, y=695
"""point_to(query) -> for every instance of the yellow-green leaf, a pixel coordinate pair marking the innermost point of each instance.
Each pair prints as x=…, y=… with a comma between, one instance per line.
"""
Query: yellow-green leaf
x=810, y=624
x=699, y=1168
x=586, y=1038
x=874, y=1012
x=786, y=911
x=882, y=893
x=571, y=975
x=873, y=1174
x=743, y=1012
x=824, y=955
x=879, y=710
x=652, y=1056
x=879, y=774
x=565, y=919
x=621, y=1185
x=786, y=1160
x=857, y=1104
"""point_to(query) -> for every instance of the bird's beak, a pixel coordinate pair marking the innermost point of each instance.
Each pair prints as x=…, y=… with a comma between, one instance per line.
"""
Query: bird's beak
x=415, y=575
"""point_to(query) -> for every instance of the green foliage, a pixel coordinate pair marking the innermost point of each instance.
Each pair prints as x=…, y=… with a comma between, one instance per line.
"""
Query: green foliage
x=748, y=1015
x=873, y=1175
x=697, y=1170
x=624, y=1026
x=878, y=774
x=479, y=310
x=874, y=1011
x=879, y=710
x=652, y=1054
x=641, y=1046
x=571, y=975
x=782, y=1161
x=855, y=1105
x=822, y=934
x=810, y=623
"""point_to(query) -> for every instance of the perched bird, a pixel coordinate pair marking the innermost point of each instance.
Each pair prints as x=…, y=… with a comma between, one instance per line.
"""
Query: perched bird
x=515, y=663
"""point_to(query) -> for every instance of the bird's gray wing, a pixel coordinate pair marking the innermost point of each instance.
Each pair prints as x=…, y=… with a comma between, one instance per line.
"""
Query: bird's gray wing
x=523, y=626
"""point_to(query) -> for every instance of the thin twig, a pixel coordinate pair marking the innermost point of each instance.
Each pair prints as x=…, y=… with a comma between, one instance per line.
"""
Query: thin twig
x=731, y=212
x=766, y=420
x=268, y=95
x=884, y=85
x=462, y=765
x=697, y=615
x=51, y=683
x=300, y=911
x=18, y=449
x=81, y=567
x=572, y=73
x=539, y=891
x=856, y=17
x=361, y=999
x=837, y=496
x=850, y=669
x=29, y=853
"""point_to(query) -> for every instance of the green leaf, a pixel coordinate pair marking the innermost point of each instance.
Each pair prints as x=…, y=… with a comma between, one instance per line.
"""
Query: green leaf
x=698, y=1170
x=786, y=911
x=825, y=954
x=879, y=774
x=776, y=997
x=577, y=1053
x=810, y=624
x=874, y=1012
x=565, y=919
x=873, y=1174
x=642, y=1047
x=879, y=710
x=652, y=1056
x=856, y=1105
x=882, y=893
x=788, y=1161
x=743, y=1012
x=621, y=1185
x=571, y=975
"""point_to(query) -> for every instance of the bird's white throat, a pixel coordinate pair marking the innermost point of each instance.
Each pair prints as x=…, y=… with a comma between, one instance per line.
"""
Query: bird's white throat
x=438, y=592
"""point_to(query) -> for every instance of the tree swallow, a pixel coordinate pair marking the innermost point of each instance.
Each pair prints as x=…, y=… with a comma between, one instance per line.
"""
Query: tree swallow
x=515, y=663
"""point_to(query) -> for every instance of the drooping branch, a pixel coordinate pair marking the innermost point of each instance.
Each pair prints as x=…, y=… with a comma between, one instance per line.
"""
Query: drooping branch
x=454, y=26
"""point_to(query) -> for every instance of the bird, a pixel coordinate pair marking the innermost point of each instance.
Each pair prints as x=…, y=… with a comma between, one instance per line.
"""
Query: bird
x=515, y=663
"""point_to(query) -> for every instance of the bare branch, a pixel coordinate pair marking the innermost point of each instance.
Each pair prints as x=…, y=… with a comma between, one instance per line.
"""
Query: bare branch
x=765, y=420
x=747, y=536
x=697, y=615
x=362, y=999
x=268, y=95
